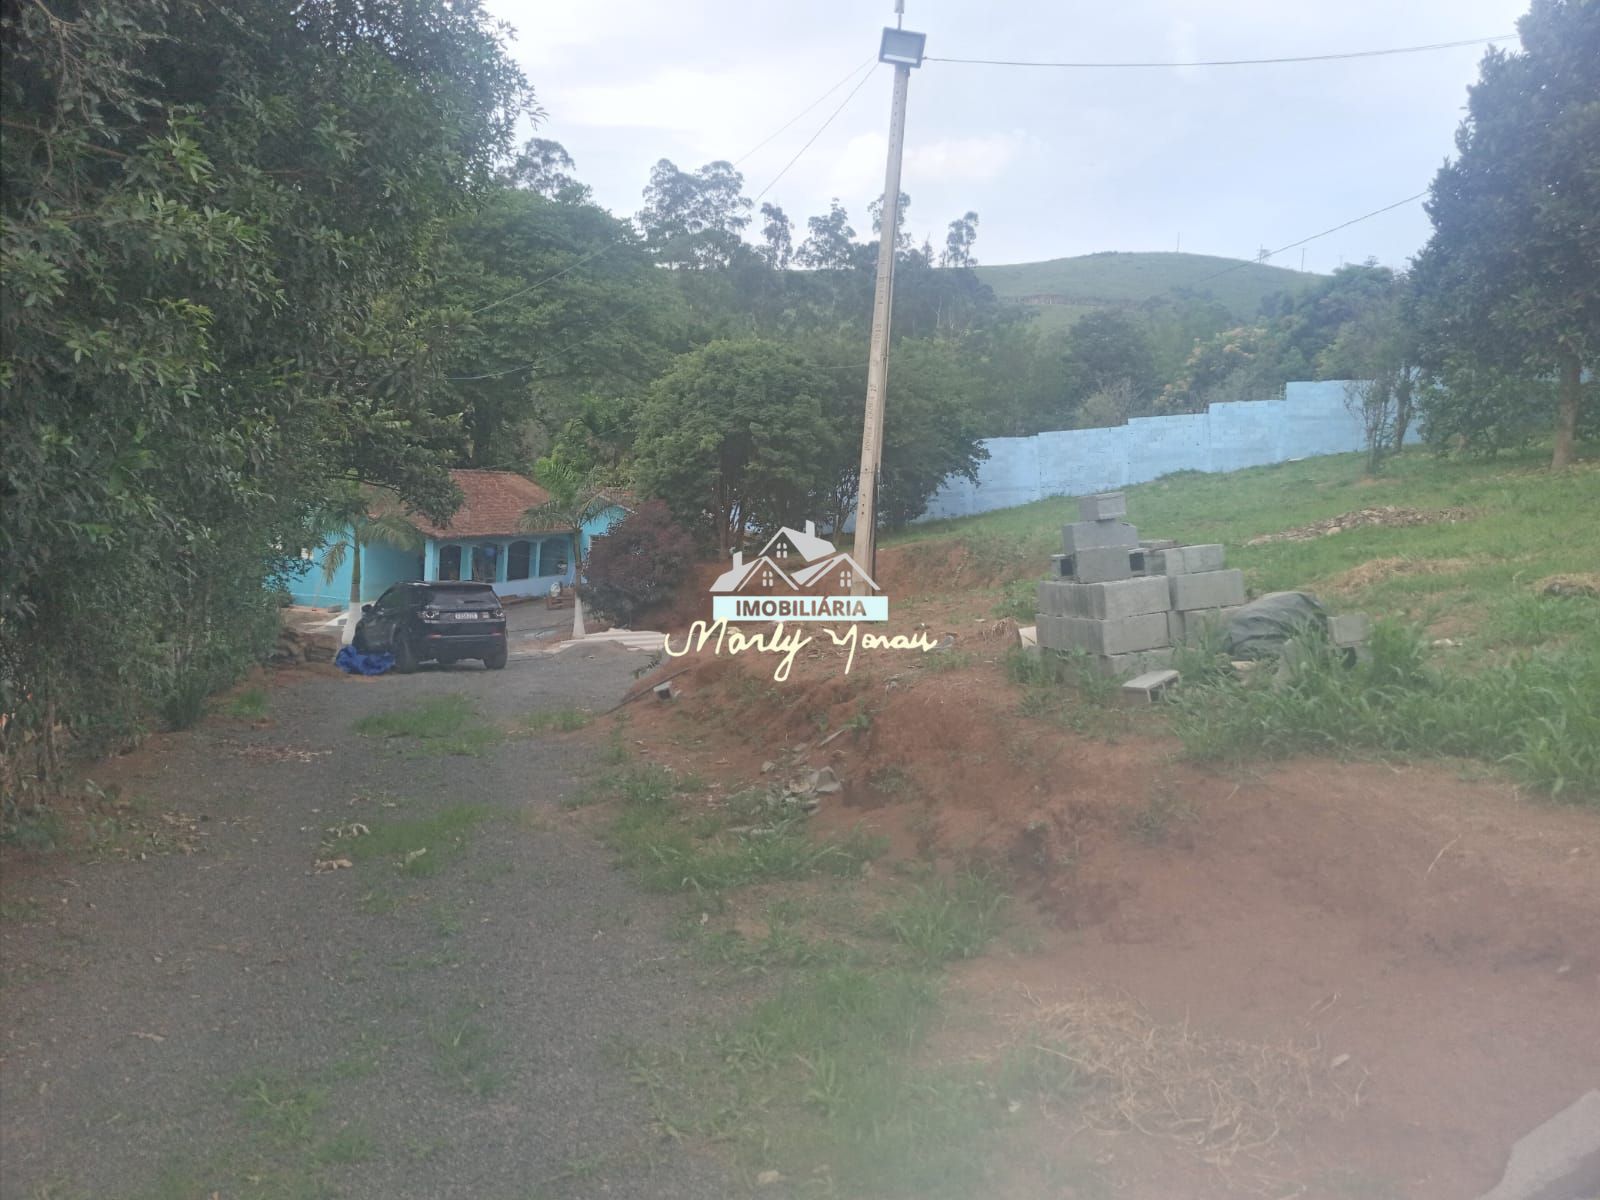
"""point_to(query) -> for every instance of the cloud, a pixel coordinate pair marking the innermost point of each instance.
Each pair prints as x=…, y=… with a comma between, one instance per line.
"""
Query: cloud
x=966, y=158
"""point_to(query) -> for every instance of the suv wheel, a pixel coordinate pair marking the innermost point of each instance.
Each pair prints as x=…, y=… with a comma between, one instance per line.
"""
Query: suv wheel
x=405, y=658
x=496, y=661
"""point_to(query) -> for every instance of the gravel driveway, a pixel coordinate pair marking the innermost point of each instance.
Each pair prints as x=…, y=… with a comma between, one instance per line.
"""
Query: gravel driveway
x=235, y=1022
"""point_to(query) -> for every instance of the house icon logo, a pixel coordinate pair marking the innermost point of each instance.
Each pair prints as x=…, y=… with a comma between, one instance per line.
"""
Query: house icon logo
x=798, y=576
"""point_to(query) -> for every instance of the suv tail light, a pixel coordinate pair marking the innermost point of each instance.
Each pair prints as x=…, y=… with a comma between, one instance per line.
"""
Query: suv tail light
x=498, y=614
x=429, y=614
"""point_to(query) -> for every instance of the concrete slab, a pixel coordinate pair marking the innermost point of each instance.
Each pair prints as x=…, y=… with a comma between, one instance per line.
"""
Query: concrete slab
x=1210, y=589
x=1560, y=1160
x=1105, y=506
x=1097, y=535
x=1148, y=688
x=1104, y=601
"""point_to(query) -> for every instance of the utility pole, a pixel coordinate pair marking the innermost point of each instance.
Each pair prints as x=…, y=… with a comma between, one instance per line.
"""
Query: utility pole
x=903, y=49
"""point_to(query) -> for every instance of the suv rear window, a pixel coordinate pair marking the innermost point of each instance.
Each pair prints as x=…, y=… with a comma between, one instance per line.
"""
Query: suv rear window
x=460, y=596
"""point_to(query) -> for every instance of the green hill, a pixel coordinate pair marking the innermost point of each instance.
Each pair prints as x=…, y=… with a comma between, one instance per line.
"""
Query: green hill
x=1063, y=289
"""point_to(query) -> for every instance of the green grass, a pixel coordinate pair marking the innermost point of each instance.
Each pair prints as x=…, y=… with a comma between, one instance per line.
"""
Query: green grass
x=1537, y=715
x=949, y=918
x=1092, y=281
x=418, y=848
x=438, y=725
x=1516, y=689
x=466, y=1053
x=250, y=704
x=823, y=1078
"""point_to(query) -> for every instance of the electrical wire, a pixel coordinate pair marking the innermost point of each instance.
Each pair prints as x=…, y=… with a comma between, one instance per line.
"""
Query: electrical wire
x=594, y=254
x=1227, y=62
x=851, y=96
x=1242, y=263
x=748, y=153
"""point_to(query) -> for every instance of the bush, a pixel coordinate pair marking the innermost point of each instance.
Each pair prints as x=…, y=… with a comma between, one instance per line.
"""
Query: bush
x=637, y=565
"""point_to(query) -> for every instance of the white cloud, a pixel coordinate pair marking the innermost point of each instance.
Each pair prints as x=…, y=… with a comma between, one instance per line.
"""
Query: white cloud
x=966, y=158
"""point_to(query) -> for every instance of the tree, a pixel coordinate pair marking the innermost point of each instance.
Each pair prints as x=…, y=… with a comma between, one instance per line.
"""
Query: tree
x=902, y=239
x=777, y=237
x=959, y=241
x=544, y=166
x=352, y=527
x=931, y=432
x=543, y=303
x=217, y=224
x=732, y=438
x=1374, y=353
x=830, y=244
x=1106, y=347
x=637, y=563
x=575, y=500
x=695, y=221
x=1510, y=280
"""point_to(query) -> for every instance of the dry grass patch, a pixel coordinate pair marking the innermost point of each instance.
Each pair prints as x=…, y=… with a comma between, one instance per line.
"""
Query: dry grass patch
x=1374, y=571
x=1226, y=1100
x=1581, y=584
x=1388, y=516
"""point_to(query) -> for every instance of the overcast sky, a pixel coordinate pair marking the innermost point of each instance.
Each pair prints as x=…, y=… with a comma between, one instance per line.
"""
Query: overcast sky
x=1055, y=162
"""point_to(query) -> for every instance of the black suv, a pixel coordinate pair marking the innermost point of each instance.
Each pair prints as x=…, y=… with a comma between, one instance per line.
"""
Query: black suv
x=441, y=621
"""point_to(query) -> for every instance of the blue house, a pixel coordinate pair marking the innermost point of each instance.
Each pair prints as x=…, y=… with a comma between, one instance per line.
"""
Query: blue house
x=484, y=540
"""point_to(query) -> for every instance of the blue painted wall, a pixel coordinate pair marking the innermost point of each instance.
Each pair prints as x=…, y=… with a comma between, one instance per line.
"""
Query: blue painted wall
x=384, y=565
x=1311, y=419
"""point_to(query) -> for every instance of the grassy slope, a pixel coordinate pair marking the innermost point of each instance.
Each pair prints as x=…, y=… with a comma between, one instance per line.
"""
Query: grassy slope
x=1093, y=281
x=1474, y=574
x=1512, y=675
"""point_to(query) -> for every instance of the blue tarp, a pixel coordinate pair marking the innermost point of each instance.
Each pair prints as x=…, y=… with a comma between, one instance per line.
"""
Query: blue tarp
x=354, y=662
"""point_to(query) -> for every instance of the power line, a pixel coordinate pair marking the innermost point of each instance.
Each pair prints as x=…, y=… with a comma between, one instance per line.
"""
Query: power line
x=851, y=96
x=1242, y=263
x=594, y=254
x=748, y=153
x=1227, y=62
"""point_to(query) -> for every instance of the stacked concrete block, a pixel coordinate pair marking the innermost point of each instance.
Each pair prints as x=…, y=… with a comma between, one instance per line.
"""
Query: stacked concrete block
x=1125, y=603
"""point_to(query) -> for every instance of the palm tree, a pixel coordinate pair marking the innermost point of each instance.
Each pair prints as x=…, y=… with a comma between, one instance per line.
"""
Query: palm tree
x=575, y=500
x=352, y=527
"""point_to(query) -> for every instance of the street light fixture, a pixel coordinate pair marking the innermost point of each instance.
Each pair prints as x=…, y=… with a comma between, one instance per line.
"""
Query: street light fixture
x=901, y=47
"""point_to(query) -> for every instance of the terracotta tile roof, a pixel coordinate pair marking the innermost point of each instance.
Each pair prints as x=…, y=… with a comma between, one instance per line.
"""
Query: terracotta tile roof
x=493, y=502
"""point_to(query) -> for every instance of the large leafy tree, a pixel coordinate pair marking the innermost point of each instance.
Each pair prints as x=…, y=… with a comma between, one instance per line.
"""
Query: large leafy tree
x=1509, y=283
x=695, y=220
x=543, y=302
x=215, y=218
x=733, y=438
x=931, y=429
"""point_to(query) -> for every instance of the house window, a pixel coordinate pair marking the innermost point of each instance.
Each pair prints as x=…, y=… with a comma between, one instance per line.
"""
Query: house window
x=449, y=562
x=766, y=577
x=485, y=558
x=519, y=560
x=782, y=550
x=847, y=579
x=553, y=557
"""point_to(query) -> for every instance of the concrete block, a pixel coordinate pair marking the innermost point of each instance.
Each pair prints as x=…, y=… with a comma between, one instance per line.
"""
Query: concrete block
x=1175, y=633
x=1203, y=558
x=1560, y=1160
x=1105, y=506
x=1113, y=666
x=1210, y=589
x=1157, y=543
x=1100, y=565
x=1349, y=629
x=1124, y=635
x=1166, y=562
x=1148, y=688
x=1103, y=601
x=1096, y=535
x=1202, y=622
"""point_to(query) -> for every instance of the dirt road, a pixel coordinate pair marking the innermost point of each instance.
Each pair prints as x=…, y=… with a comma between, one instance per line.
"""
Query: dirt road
x=236, y=1021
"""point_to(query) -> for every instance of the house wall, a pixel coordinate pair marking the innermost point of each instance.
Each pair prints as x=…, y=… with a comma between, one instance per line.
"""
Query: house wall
x=384, y=565
x=380, y=566
x=1312, y=419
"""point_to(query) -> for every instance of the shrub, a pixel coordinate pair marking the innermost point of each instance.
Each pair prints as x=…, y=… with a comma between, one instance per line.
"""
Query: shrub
x=637, y=565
